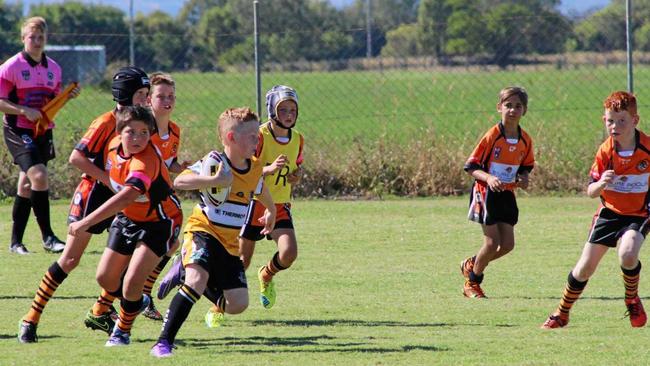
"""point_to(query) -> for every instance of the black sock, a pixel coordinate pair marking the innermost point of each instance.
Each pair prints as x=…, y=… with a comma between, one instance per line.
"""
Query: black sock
x=213, y=294
x=178, y=311
x=473, y=277
x=41, y=204
x=20, y=216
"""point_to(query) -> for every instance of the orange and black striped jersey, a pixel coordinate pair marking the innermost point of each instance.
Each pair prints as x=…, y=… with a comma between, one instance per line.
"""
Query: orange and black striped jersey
x=146, y=173
x=169, y=144
x=225, y=221
x=94, y=143
x=502, y=157
x=269, y=148
x=628, y=193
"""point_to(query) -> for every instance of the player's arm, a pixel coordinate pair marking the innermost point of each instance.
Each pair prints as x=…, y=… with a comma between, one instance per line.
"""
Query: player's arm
x=114, y=205
x=493, y=182
x=295, y=176
x=81, y=162
x=268, y=219
x=177, y=167
x=8, y=107
x=595, y=188
x=190, y=180
x=277, y=164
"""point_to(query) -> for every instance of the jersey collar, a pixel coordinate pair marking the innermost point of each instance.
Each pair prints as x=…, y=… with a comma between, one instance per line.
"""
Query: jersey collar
x=502, y=130
x=31, y=61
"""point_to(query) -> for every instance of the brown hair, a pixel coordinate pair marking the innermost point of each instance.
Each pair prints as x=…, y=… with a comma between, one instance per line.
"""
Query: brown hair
x=158, y=78
x=621, y=101
x=506, y=93
x=233, y=117
x=33, y=23
x=128, y=114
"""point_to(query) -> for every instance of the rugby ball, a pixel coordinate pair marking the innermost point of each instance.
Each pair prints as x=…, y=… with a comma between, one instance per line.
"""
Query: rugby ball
x=209, y=167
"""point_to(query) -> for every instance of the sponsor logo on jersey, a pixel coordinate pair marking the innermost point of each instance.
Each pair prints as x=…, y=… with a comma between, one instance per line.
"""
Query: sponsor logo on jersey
x=636, y=183
x=643, y=165
x=505, y=172
x=50, y=75
x=25, y=74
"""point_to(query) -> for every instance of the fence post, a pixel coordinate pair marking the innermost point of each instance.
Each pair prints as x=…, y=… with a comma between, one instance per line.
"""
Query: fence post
x=258, y=79
x=628, y=33
x=368, y=30
x=131, y=35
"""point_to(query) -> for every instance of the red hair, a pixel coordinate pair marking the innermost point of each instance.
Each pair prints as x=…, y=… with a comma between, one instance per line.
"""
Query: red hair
x=621, y=101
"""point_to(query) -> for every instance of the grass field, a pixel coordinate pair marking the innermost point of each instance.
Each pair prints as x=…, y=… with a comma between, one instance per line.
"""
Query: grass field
x=376, y=283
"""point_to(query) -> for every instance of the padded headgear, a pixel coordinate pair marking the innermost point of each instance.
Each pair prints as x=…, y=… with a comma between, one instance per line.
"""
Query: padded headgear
x=277, y=94
x=126, y=82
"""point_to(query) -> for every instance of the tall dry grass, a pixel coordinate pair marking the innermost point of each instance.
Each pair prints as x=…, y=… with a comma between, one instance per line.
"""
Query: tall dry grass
x=429, y=164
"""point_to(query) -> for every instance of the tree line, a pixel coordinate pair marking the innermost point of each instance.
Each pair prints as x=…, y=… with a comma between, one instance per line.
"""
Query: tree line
x=213, y=34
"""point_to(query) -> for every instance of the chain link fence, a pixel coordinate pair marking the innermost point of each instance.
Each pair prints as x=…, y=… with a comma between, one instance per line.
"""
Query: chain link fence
x=387, y=124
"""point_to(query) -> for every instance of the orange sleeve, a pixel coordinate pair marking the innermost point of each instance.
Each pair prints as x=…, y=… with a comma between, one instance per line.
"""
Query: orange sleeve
x=477, y=157
x=142, y=171
x=529, y=160
x=95, y=138
x=601, y=163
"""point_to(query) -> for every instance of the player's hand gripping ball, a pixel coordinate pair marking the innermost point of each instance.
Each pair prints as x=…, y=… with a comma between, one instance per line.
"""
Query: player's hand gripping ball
x=210, y=167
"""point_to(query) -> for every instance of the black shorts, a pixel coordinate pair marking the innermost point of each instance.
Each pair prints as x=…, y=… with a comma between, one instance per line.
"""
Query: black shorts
x=488, y=207
x=26, y=150
x=226, y=270
x=89, y=195
x=607, y=227
x=159, y=236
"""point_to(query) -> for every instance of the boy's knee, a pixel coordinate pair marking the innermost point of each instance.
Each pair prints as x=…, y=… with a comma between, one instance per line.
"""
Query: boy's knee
x=628, y=259
x=69, y=263
x=507, y=247
x=106, y=282
x=287, y=258
x=491, y=244
x=237, y=306
x=582, y=273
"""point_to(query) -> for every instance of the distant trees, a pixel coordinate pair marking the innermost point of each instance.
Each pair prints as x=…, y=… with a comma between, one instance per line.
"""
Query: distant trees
x=212, y=34
x=10, y=15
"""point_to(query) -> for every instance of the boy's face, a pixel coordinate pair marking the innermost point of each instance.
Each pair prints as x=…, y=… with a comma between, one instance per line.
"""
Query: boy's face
x=287, y=112
x=243, y=139
x=135, y=137
x=620, y=125
x=511, y=109
x=34, y=41
x=140, y=97
x=162, y=99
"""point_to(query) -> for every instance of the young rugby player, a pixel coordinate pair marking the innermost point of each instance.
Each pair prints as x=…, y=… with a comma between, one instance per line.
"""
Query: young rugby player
x=28, y=80
x=211, y=246
x=499, y=163
x=147, y=222
x=280, y=148
x=130, y=86
x=167, y=141
x=620, y=176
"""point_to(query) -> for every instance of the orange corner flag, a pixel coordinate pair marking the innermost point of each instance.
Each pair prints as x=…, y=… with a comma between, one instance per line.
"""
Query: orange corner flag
x=52, y=108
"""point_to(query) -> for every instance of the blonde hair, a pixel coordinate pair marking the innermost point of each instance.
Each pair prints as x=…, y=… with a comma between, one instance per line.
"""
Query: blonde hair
x=162, y=78
x=32, y=23
x=232, y=118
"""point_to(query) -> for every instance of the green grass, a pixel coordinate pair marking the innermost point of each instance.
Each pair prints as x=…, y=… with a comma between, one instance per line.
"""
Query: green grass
x=376, y=283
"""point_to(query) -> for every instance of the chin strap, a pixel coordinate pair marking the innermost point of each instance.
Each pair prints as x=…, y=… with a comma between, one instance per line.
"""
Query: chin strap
x=279, y=124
